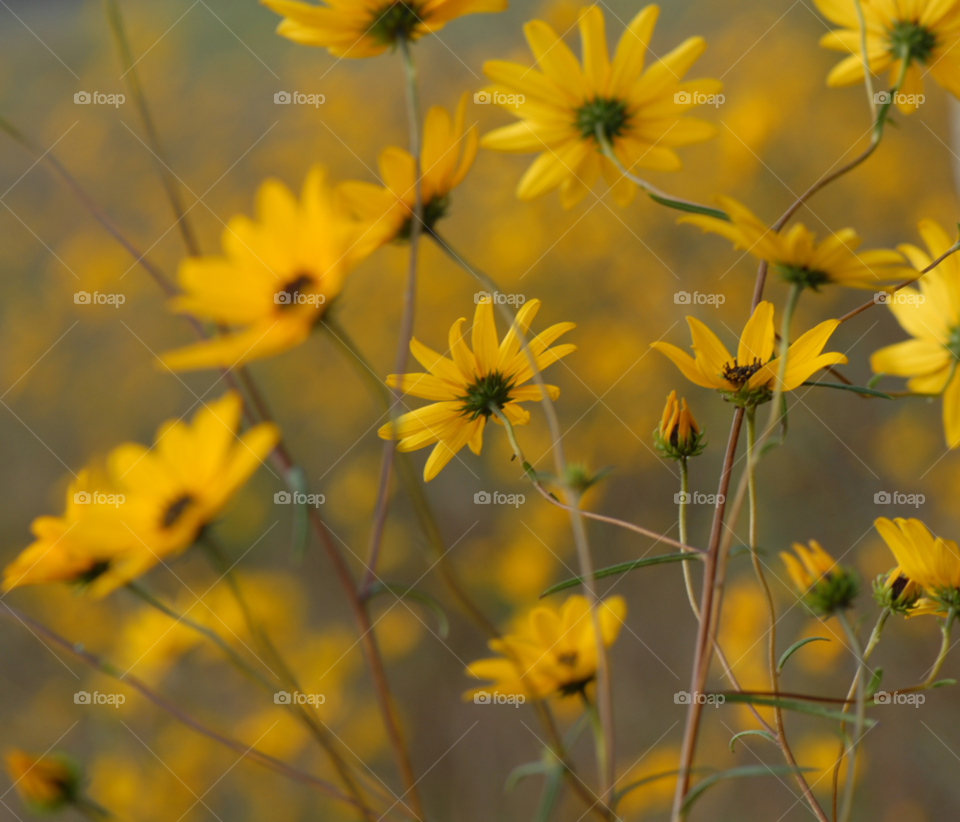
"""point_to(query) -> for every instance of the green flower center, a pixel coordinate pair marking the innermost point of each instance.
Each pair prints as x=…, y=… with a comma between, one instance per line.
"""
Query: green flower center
x=175, y=510
x=394, y=22
x=433, y=211
x=608, y=113
x=804, y=277
x=493, y=388
x=907, y=36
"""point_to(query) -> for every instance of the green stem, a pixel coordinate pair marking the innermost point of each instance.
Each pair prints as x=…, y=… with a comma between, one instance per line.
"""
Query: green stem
x=861, y=710
x=687, y=573
x=945, y=629
x=597, y=728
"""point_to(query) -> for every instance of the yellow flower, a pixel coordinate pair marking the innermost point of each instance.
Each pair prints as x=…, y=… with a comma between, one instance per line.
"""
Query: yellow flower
x=60, y=552
x=640, y=112
x=931, y=562
x=900, y=593
x=798, y=258
x=45, y=784
x=466, y=386
x=922, y=31
x=365, y=28
x=748, y=379
x=554, y=653
x=822, y=583
x=678, y=436
x=932, y=317
x=277, y=276
x=445, y=158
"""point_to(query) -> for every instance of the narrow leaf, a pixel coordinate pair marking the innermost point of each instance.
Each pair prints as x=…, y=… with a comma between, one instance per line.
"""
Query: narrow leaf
x=797, y=705
x=425, y=599
x=622, y=568
x=550, y=794
x=874, y=683
x=734, y=773
x=521, y=772
x=796, y=647
x=752, y=732
x=693, y=208
x=874, y=381
x=942, y=683
x=857, y=389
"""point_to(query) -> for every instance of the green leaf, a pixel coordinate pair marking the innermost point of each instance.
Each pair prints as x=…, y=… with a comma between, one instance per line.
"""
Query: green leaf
x=521, y=772
x=693, y=208
x=549, y=795
x=797, y=705
x=942, y=683
x=734, y=773
x=622, y=568
x=573, y=734
x=618, y=795
x=874, y=381
x=874, y=683
x=752, y=732
x=796, y=647
x=409, y=592
x=857, y=389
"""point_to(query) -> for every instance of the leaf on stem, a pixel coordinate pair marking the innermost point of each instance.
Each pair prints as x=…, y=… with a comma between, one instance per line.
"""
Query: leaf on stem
x=857, y=389
x=797, y=705
x=753, y=732
x=735, y=773
x=796, y=647
x=622, y=568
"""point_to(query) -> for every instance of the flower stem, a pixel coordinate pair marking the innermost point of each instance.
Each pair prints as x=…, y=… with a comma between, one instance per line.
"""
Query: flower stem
x=945, y=629
x=687, y=575
x=861, y=710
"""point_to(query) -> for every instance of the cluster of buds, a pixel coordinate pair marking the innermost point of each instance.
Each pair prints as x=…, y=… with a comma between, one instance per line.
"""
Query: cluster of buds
x=824, y=586
x=678, y=437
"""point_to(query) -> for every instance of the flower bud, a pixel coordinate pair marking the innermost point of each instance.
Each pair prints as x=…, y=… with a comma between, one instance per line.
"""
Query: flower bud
x=45, y=784
x=823, y=585
x=678, y=436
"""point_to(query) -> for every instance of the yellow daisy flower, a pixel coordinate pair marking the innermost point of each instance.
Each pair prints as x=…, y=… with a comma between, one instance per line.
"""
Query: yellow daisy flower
x=931, y=562
x=467, y=385
x=445, y=158
x=922, y=31
x=554, y=653
x=277, y=276
x=932, y=317
x=640, y=112
x=45, y=784
x=798, y=258
x=748, y=379
x=821, y=582
x=365, y=28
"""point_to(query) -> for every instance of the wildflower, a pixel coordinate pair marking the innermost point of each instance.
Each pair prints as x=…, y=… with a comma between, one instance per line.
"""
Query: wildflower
x=445, y=158
x=923, y=32
x=797, y=257
x=640, y=113
x=823, y=584
x=932, y=317
x=45, y=784
x=930, y=562
x=277, y=276
x=897, y=592
x=554, y=653
x=365, y=28
x=748, y=379
x=466, y=386
x=678, y=436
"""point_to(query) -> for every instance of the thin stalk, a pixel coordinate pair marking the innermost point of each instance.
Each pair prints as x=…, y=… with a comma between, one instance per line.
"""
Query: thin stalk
x=861, y=711
x=597, y=729
x=945, y=629
x=687, y=575
x=406, y=324
x=867, y=74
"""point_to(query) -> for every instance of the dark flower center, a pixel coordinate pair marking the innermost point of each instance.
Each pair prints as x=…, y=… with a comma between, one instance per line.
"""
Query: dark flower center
x=740, y=374
x=432, y=211
x=607, y=113
x=175, y=510
x=568, y=659
x=286, y=295
x=804, y=277
x=94, y=571
x=493, y=388
x=899, y=584
x=910, y=38
x=394, y=22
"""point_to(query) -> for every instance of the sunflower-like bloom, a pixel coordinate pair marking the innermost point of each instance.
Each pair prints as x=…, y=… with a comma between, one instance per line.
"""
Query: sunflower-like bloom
x=923, y=31
x=798, y=258
x=897, y=592
x=466, y=386
x=932, y=317
x=639, y=112
x=678, y=436
x=365, y=28
x=447, y=154
x=933, y=563
x=44, y=784
x=748, y=379
x=553, y=653
x=823, y=584
x=277, y=276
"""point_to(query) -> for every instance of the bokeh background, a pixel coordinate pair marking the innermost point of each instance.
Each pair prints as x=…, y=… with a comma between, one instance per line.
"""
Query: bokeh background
x=75, y=380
